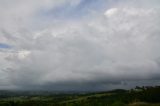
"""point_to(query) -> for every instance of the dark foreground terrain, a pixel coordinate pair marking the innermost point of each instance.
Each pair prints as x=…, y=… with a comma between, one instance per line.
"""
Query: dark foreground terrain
x=140, y=96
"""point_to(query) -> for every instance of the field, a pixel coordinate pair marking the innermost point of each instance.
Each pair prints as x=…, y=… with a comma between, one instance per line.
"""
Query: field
x=140, y=96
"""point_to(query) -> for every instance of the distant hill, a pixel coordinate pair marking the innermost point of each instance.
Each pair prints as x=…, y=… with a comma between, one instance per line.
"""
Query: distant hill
x=139, y=96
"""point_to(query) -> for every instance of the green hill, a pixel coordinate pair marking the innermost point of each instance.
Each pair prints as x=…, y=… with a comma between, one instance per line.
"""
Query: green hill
x=140, y=96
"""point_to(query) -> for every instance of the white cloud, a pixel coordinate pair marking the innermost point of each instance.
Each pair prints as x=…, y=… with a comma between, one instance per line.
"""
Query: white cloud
x=120, y=44
x=111, y=12
x=23, y=54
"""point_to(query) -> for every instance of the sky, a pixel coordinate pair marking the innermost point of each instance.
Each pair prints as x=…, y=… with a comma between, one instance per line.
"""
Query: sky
x=79, y=45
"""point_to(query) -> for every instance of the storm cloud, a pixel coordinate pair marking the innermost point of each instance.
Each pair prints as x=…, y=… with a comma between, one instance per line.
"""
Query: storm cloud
x=79, y=44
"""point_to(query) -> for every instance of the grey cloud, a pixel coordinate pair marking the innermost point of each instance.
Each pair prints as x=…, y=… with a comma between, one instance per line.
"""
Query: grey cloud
x=114, y=49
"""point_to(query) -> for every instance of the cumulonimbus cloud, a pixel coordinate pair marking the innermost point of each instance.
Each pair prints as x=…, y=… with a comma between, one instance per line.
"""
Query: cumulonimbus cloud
x=104, y=48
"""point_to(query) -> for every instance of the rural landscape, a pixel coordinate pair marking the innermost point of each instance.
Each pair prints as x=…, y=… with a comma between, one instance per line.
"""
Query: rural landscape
x=139, y=96
x=79, y=52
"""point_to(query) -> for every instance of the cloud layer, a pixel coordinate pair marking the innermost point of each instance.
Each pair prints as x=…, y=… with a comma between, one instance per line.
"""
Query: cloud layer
x=116, y=45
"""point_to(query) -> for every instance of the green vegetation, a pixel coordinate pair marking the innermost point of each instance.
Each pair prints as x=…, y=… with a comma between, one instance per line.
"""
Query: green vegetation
x=140, y=96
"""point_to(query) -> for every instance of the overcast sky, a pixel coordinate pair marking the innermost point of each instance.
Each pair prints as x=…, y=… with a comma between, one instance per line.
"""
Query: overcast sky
x=79, y=44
